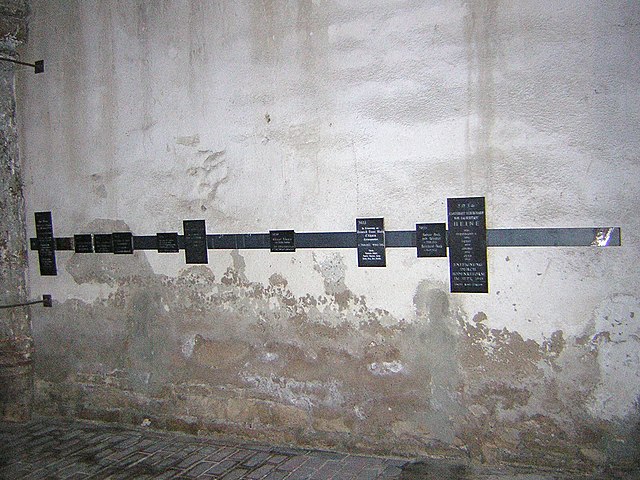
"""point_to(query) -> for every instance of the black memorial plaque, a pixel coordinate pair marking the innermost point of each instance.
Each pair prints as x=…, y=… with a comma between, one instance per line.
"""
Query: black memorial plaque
x=282, y=240
x=371, y=242
x=431, y=239
x=167, y=242
x=122, y=243
x=46, y=244
x=195, y=241
x=83, y=243
x=103, y=243
x=467, y=245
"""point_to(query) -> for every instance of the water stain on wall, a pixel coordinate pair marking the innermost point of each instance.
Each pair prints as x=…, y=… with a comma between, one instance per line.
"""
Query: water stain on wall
x=201, y=353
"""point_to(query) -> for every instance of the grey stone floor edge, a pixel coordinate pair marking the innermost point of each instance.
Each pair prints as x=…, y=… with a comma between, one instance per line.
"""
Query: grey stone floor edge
x=47, y=448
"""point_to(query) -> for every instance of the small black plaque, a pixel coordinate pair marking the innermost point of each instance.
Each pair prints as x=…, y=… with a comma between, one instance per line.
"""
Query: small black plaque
x=64, y=243
x=467, y=245
x=46, y=244
x=83, y=243
x=103, y=243
x=122, y=243
x=167, y=242
x=282, y=240
x=431, y=239
x=371, y=242
x=195, y=241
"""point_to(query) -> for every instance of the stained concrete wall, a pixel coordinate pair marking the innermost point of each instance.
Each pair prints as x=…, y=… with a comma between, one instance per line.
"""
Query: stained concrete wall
x=306, y=115
x=16, y=343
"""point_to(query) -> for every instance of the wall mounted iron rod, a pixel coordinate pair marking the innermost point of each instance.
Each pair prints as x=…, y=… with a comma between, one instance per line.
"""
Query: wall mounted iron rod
x=38, y=66
x=46, y=301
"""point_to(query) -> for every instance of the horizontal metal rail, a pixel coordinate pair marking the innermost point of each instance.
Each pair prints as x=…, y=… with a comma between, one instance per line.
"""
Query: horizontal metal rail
x=507, y=237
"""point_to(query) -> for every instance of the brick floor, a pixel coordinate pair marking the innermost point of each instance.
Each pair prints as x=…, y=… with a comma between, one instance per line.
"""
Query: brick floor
x=60, y=449
x=48, y=449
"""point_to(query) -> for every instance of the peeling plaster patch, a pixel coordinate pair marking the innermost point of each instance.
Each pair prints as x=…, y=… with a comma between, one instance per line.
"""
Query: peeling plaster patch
x=359, y=413
x=188, y=346
x=479, y=317
x=277, y=280
x=239, y=264
x=331, y=267
x=617, y=340
x=100, y=182
x=197, y=191
x=189, y=140
x=209, y=175
x=270, y=357
x=386, y=368
x=99, y=188
x=305, y=395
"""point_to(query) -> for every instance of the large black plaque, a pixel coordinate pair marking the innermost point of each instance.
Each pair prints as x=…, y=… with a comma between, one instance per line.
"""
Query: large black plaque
x=371, y=245
x=195, y=241
x=46, y=243
x=167, y=242
x=467, y=245
x=83, y=243
x=122, y=243
x=103, y=243
x=431, y=239
x=282, y=240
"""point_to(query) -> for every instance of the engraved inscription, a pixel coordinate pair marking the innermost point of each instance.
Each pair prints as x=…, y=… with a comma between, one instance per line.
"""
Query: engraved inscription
x=122, y=243
x=103, y=243
x=371, y=242
x=467, y=245
x=431, y=239
x=282, y=240
x=195, y=241
x=167, y=242
x=83, y=243
x=46, y=243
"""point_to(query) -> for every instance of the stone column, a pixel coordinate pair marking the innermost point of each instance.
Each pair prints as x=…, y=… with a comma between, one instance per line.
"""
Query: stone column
x=16, y=343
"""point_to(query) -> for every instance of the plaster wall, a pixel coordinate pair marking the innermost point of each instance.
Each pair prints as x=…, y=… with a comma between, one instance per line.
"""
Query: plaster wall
x=305, y=115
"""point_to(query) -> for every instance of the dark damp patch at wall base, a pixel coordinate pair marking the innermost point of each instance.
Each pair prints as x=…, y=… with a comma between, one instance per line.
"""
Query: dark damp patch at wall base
x=200, y=354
